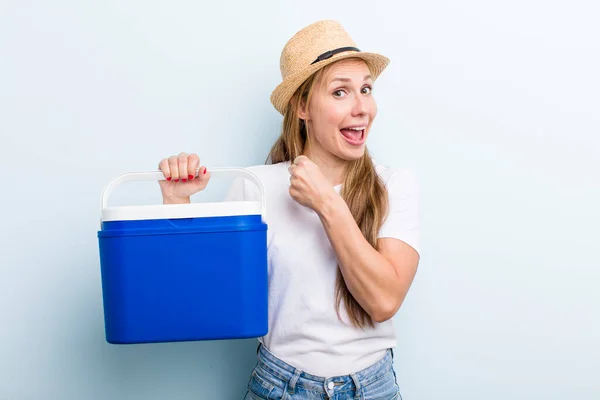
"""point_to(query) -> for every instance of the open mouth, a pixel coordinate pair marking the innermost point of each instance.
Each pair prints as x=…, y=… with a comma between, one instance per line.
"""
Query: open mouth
x=355, y=135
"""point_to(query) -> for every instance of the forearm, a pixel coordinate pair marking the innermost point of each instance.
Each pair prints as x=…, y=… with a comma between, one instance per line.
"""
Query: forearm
x=370, y=277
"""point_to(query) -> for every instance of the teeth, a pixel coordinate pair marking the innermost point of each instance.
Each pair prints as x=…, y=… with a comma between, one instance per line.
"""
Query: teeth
x=356, y=129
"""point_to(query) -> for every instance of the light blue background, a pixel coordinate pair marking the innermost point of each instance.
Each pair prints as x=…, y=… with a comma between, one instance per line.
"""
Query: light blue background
x=494, y=104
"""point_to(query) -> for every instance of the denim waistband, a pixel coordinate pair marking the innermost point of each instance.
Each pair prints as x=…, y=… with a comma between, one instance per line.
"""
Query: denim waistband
x=290, y=377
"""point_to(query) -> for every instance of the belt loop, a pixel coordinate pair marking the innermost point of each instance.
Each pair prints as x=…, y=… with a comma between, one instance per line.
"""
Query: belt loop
x=291, y=386
x=357, y=387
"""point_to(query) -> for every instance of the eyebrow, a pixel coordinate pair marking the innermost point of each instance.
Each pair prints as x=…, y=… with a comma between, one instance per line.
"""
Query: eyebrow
x=341, y=79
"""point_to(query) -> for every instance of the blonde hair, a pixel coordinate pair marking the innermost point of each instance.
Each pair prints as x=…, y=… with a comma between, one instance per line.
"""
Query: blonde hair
x=362, y=190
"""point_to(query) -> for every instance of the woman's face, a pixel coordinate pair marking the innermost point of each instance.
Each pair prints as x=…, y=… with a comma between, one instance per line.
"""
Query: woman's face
x=341, y=111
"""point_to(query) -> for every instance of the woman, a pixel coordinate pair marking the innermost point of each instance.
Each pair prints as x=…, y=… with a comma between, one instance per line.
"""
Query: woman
x=343, y=231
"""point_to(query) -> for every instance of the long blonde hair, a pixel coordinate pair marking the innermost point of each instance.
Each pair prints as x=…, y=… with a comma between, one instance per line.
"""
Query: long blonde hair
x=362, y=190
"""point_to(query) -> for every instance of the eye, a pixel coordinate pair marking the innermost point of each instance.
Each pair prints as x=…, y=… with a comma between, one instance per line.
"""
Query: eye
x=339, y=93
x=366, y=90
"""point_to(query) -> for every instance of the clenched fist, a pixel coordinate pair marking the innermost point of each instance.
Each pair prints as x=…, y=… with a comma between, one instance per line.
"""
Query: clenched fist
x=308, y=186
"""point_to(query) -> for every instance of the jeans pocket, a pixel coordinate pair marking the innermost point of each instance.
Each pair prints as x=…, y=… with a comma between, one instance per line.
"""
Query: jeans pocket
x=251, y=396
x=383, y=388
x=259, y=387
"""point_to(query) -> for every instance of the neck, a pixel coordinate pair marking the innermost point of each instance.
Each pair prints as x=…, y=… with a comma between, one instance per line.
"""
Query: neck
x=331, y=166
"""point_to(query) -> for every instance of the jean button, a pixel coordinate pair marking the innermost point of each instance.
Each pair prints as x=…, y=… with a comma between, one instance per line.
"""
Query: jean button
x=330, y=385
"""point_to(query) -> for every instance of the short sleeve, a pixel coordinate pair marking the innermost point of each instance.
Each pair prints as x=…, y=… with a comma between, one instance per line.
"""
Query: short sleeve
x=403, y=209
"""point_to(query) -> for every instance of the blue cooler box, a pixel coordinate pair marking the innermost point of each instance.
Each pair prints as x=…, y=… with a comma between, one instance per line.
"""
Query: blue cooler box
x=183, y=272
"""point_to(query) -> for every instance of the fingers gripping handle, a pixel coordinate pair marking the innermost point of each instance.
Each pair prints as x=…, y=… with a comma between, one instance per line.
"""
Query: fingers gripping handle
x=157, y=176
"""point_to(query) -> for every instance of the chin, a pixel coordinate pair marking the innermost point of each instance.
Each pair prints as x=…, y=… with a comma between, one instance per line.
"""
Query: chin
x=351, y=155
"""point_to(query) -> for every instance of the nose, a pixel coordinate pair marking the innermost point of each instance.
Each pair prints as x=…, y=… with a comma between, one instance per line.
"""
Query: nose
x=360, y=106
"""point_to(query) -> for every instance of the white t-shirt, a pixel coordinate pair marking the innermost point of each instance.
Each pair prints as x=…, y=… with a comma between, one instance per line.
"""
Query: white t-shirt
x=304, y=329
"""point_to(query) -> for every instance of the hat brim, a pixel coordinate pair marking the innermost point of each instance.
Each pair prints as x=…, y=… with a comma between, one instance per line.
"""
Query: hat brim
x=286, y=89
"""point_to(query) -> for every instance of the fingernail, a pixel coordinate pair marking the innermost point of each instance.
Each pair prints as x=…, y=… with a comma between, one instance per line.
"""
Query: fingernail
x=169, y=178
x=204, y=170
x=183, y=180
x=191, y=177
x=176, y=180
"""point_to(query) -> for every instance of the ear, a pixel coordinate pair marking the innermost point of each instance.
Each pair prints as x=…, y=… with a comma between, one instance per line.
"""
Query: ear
x=302, y=110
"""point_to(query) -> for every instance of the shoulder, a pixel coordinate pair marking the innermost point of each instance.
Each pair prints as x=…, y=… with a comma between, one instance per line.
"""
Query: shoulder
x=401, y=178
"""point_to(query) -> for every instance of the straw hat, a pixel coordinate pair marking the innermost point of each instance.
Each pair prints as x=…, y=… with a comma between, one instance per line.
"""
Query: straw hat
x=311, y=49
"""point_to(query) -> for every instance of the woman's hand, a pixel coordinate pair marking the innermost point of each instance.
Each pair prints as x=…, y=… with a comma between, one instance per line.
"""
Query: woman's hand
x=181, y=180
x=308, y=186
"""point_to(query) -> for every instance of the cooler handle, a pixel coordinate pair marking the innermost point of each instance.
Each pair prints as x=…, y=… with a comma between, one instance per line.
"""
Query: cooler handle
x=158, y=175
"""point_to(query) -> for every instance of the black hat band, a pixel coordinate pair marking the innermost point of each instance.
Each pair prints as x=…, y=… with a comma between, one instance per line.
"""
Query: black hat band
x=331, y=53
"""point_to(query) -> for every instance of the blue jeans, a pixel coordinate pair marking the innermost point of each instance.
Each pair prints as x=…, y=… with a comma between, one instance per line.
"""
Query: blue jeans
x=273, y=379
